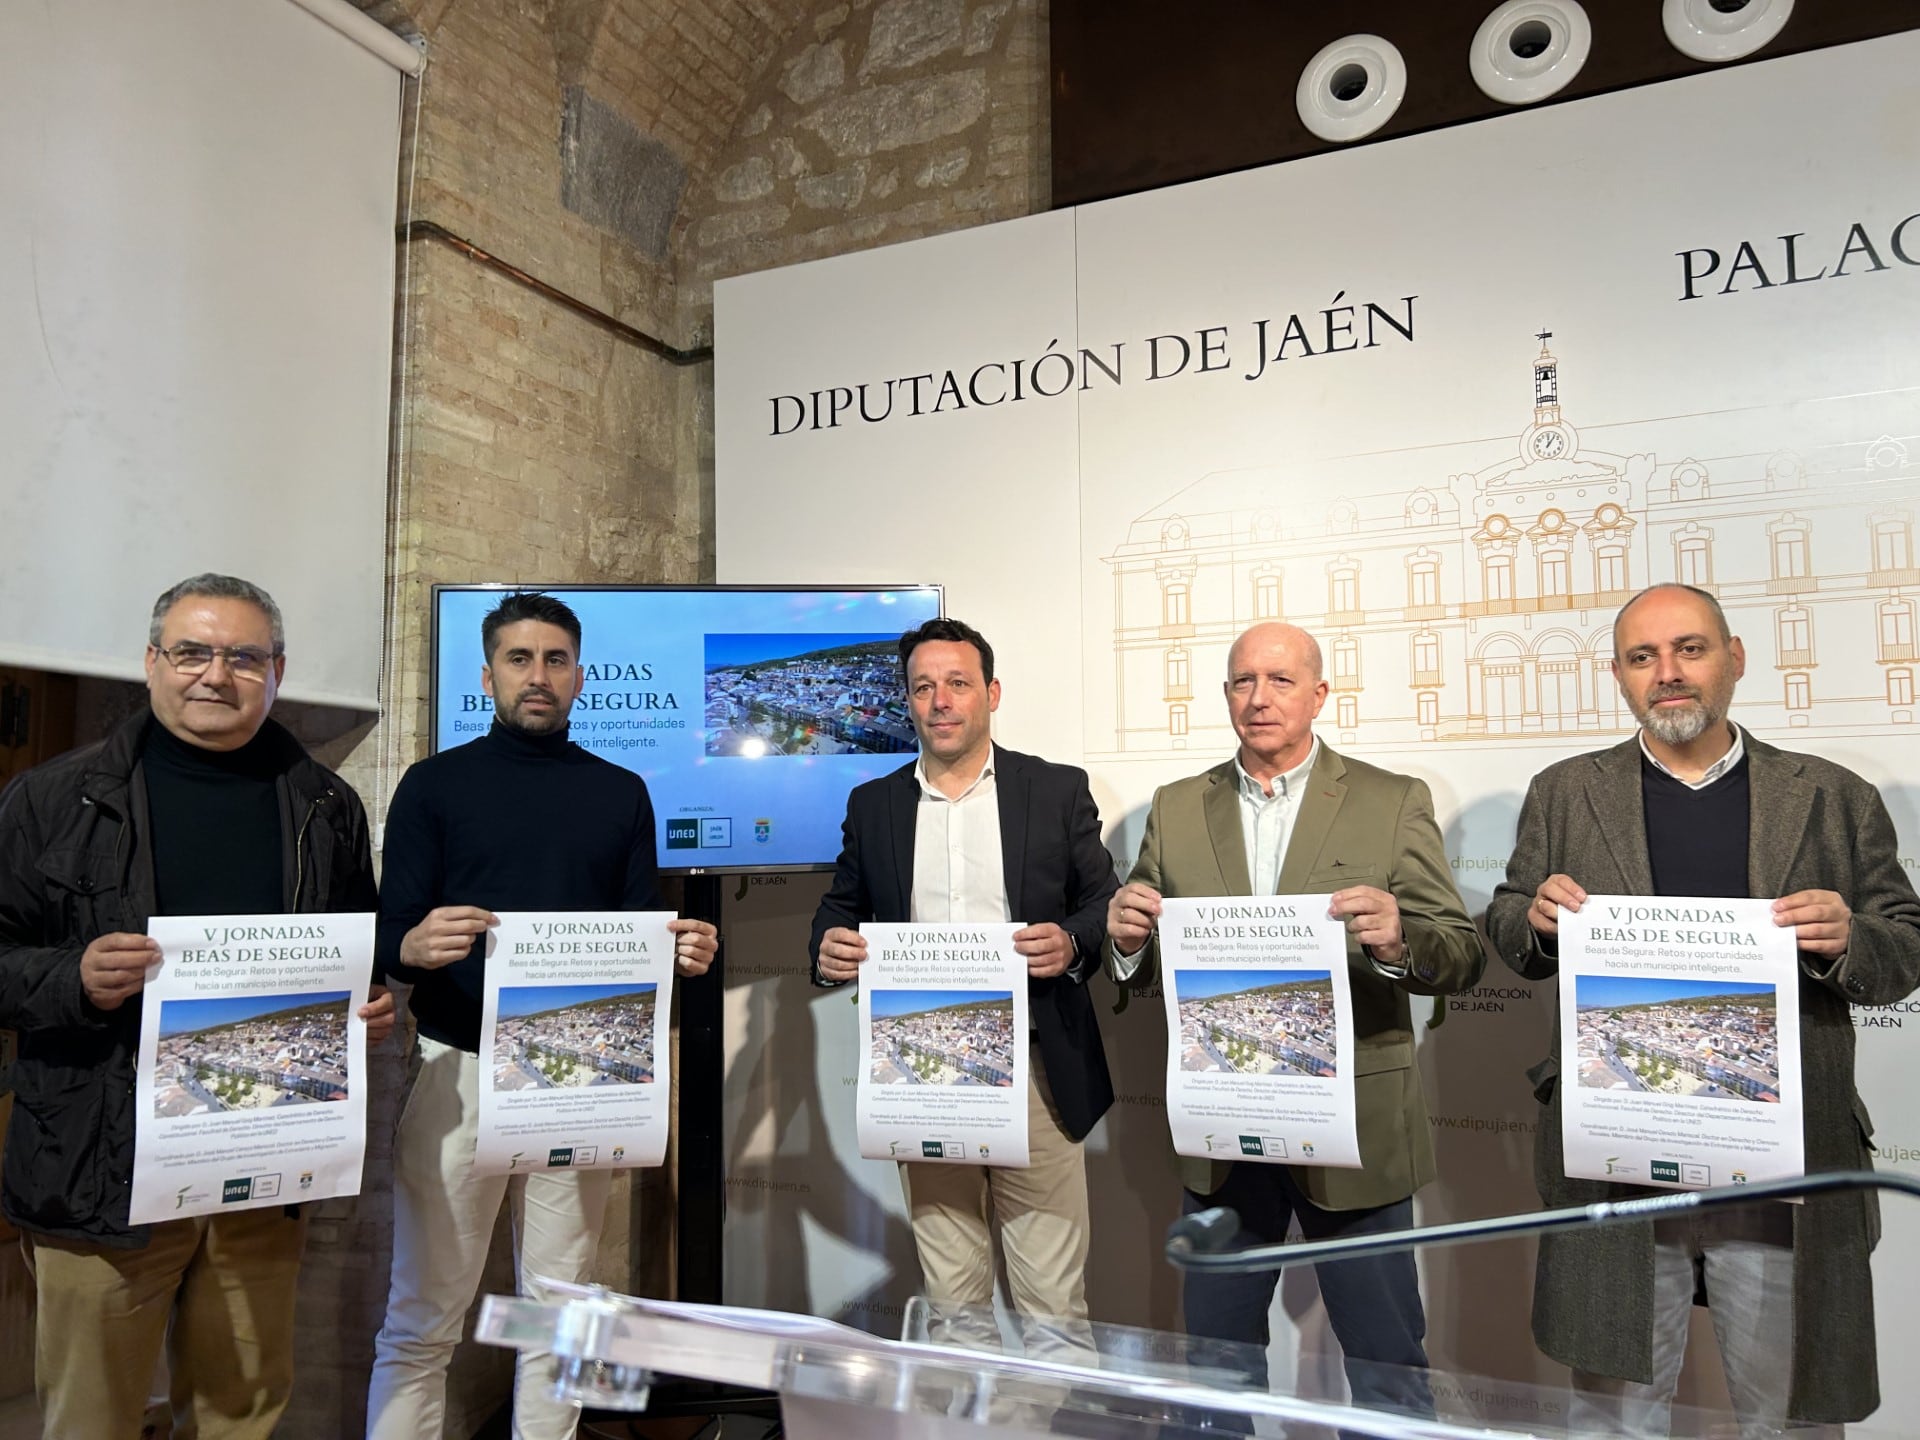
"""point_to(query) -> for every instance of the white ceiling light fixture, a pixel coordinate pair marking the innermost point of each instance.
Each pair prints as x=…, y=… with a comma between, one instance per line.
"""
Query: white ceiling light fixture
x=1351, y=88
x=1527, y=50
x=1720, y=30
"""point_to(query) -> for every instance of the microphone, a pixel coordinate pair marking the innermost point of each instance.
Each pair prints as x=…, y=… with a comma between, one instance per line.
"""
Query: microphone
x=1205, y=1232
x=1199, y=1241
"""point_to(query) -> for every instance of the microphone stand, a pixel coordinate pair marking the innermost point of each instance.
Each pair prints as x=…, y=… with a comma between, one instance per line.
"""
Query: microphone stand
x=1192, y=1246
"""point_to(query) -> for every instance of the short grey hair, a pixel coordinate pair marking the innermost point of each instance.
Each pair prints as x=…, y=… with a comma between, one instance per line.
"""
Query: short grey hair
x=218, y=587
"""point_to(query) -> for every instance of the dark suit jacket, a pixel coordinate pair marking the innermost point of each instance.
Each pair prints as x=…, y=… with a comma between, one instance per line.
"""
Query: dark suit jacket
x=1358, y=825
x=1814, y=826
x=1056, y=869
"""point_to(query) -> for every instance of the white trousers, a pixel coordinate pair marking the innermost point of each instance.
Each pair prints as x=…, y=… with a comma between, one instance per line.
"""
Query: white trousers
x=1747, y=1256
x=443, y=1218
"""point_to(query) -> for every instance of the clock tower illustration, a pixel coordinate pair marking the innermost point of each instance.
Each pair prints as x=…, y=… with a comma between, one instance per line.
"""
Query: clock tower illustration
x=1549, y=437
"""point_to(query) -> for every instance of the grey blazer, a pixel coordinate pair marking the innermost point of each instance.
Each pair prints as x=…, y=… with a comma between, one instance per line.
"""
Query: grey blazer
x=1815, y=826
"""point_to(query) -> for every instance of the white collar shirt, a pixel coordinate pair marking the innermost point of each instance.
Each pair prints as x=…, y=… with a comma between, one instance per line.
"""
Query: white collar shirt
x=1736, y=752
x=1266, y=821
x=957, y=869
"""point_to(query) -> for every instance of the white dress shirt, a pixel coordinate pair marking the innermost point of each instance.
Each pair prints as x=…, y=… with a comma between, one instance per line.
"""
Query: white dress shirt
x=957, y=871
x=1266, y=821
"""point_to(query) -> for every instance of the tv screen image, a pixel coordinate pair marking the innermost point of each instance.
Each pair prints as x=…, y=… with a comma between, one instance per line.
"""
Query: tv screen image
x=750, y=712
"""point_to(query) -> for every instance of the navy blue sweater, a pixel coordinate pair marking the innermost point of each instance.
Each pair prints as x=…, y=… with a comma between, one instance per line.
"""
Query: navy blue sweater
x=507, y=822
x=1697, y=839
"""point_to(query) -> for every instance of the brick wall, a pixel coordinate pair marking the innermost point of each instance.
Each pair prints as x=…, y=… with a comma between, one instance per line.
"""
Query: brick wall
x=626, y=152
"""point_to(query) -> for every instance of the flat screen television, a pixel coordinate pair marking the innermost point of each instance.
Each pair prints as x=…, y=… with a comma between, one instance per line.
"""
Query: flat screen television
x=750, y=711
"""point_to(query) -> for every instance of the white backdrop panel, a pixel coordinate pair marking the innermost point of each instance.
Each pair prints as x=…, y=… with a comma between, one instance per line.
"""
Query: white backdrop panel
x=984, y=515
x=196, y=319
x=1456, y=514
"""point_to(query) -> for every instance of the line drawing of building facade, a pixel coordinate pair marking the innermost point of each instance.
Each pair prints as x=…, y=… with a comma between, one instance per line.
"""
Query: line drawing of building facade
x=1465, y=592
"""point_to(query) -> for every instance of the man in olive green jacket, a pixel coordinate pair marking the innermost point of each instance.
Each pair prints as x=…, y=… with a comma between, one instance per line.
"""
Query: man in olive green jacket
x=1287, y=815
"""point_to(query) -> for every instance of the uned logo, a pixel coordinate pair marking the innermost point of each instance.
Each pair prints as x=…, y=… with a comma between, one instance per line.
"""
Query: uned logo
x=560, y=1156
x=683, y=834
x=1250, y=1145
x=932, y=1150
x=1668, y=1170
x=232, y=1192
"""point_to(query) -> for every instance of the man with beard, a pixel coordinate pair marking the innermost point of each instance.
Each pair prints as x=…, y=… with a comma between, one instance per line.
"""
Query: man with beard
x=520, y=819
x=1695, y=806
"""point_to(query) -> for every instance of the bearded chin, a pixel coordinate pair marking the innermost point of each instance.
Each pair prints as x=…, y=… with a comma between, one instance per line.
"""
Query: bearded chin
x=518, y=719
x=1678, y=727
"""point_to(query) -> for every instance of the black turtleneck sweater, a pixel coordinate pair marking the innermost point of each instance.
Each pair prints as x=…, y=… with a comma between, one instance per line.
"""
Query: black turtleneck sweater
x=507, y=822
x=217, y=831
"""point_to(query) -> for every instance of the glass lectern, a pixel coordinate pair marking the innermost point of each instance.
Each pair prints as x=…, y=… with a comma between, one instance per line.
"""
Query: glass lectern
x=958, y=1375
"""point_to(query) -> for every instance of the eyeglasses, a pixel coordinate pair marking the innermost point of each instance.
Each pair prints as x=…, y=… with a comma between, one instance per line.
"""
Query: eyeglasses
x=244, y=662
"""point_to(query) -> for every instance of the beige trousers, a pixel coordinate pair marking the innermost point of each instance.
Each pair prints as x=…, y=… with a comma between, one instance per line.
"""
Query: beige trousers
x=443, y=1218
x=225, y=1282
x=1040, y=1213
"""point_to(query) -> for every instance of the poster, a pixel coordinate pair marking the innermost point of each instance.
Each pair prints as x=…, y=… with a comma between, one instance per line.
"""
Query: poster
x=251, y=1082
x=573, y=1041
x=1259, y=1030
x=943, y=1013
x=1680, y=1038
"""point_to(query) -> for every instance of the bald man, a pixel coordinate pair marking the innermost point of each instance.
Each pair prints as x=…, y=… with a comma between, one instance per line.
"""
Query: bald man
x=1288, y=816
x=1695, y=805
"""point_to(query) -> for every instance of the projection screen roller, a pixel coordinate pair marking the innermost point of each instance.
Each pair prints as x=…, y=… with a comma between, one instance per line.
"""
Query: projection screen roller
x=197, y=206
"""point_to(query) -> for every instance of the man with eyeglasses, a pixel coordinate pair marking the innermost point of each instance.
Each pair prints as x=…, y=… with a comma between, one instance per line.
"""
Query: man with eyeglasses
x=199, y=805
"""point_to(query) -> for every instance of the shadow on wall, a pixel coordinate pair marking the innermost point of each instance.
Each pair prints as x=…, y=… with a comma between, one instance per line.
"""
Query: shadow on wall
x=1483, y=1114
x=804, y=1217
x=1132, y=1184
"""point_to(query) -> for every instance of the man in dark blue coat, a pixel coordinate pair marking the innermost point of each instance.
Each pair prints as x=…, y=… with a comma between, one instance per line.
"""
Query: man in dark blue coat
x=973, y=832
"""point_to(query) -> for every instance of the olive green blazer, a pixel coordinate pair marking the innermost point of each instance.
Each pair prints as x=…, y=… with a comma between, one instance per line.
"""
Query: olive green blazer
x=1357, y=825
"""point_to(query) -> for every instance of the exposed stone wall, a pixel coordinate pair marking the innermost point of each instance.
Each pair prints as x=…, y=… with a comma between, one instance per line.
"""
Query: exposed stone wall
x=875, y=123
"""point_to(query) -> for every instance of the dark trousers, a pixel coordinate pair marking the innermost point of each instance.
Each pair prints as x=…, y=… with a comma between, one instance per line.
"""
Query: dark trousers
x=1373, y=1303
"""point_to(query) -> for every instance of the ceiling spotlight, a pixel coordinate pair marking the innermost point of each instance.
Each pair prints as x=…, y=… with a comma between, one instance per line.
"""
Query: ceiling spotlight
x=1527, y=50
x=1351, y=88
x=1719, y=30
